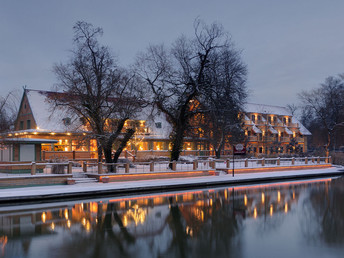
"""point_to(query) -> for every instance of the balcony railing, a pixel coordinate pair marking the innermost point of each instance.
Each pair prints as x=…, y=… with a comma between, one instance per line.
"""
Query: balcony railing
x=285, y=139
x=292, y=125
x=252, y=138
x=271, y=139
x=299, y=139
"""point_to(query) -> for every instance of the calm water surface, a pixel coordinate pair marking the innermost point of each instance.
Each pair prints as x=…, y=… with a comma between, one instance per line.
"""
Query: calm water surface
x=293, y=219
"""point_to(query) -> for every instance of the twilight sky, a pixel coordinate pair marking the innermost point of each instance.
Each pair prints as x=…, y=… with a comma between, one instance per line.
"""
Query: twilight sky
x=287, y=45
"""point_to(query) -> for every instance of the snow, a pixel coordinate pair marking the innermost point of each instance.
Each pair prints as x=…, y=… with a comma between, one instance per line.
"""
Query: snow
x=303, y=130
x=266, y=109
x=46, y=117
x=272, y=130
x=49, y=119
x=288, y=131
x=275, y=110
x=29, y=140
x=158, y=183
x=256, y=129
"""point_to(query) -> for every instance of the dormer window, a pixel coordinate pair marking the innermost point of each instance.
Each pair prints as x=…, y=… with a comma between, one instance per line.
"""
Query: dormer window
x=158, y=125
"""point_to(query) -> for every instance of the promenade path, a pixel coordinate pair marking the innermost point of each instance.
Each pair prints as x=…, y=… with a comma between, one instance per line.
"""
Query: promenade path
x=11, y=196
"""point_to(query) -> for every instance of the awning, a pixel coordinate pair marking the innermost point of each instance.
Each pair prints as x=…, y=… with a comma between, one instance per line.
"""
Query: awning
x=272, y=130
x=256, y=129
x=288, y=131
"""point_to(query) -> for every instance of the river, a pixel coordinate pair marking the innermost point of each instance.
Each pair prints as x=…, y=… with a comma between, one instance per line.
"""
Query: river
x=287, y=219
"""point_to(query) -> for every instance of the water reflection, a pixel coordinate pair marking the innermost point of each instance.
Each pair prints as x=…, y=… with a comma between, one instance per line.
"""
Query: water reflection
x=219, y=222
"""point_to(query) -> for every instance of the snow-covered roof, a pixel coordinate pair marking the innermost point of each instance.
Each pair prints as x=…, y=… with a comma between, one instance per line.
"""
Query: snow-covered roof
x=256, y=129
x=272, y=130
x=288, y=131
x=49, y=118
x=275, y=110
x=29, y=140
x=266, y=109
x=303, y=130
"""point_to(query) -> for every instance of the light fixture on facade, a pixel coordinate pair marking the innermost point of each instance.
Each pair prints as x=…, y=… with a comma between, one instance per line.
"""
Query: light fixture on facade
x=44, y=217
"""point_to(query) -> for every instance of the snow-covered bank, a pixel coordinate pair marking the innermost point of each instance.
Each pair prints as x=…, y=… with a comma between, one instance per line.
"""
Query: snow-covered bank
x=89, y=190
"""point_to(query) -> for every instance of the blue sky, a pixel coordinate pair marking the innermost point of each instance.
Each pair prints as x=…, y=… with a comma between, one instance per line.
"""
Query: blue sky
x=288, y=46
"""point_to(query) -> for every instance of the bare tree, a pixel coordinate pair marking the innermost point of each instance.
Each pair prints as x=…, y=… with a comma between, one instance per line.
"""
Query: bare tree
x=104, y=95
x=292, y=108
x=8, y=110
x=223, y=98
x=177, y=76
x=324, y=106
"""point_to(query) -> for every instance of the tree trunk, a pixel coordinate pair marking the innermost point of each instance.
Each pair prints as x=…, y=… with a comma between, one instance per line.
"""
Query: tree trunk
x=100, y=151
x=219, y=147
x=328, y=143
x=108, y=158
x=123, y=144
x=177, y=144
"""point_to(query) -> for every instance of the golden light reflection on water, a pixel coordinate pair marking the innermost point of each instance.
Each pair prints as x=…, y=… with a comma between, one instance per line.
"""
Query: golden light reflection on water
x=66, y=214
x=3, y=243
x=141, y=216
x=278, y=196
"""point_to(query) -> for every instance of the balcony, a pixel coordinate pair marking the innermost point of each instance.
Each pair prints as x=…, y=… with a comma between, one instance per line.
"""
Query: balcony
x=271, y=139
x=285, y=139
x=275, y=124
x=248, y=122
x=292, y=125
x=300, y=140
x=252, y=138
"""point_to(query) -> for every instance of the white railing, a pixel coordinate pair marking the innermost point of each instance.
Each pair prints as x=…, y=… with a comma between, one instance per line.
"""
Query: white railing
x=33, y=168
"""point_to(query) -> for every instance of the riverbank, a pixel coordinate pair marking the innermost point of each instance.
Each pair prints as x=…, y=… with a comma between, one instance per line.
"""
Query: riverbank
x=90, y=190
